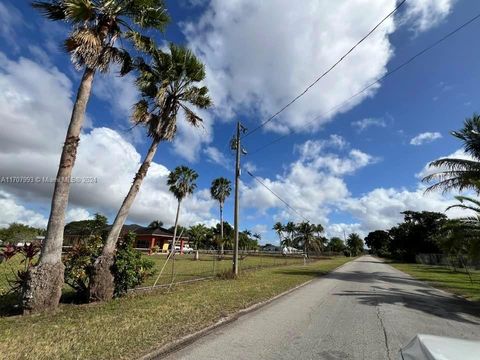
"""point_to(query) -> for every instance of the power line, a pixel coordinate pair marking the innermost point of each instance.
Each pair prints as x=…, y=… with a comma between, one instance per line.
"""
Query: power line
x=428, y=48
x=326, y=72
x=278, y=197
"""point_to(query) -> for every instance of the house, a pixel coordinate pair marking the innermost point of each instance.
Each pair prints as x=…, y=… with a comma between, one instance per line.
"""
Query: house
x=270, y=247
x=148, y=238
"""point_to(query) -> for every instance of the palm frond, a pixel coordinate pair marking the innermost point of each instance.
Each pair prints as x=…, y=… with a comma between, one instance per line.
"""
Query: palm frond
x=52, y=10
x=141, y=42
x=79, y=10
x=191, y=117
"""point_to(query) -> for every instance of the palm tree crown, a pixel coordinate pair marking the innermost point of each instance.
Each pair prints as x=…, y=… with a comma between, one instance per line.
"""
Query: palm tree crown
x=220, y=189
x=182, y=181
x=456, y=173
x=98, y=24
x=167, y=85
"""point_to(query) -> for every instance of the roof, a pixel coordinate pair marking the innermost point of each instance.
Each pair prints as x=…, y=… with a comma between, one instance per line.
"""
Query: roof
x=159, y=231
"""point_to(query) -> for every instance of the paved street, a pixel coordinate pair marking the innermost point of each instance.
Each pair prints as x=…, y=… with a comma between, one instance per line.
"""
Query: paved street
x=364, y=310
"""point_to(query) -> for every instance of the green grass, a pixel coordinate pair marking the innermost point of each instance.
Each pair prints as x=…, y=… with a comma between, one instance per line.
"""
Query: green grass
x=128, y=327
x=445, y=278
x=186, y=268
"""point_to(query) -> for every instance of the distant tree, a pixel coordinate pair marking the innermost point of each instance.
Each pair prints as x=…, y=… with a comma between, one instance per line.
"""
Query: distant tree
x=96, y=226
x=290, y=229
x=220, y=190
x=279, y=228
x=306, y=238
x=336, y=245
x=200, y=235
x=458, y=173
x=417, y=234
x=378, y=241
x=16, y=232
x=182, y=182
x=228, y=233
x=355, y=244
x=155, y=224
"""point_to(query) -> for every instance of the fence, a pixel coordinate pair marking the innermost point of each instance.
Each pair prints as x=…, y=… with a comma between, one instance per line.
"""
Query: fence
x=455, y=262
x=185, y=268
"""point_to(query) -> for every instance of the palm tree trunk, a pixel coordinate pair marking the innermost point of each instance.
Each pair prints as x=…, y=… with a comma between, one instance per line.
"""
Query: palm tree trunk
x=45, y=281
x=221, y=230
x=101, y=280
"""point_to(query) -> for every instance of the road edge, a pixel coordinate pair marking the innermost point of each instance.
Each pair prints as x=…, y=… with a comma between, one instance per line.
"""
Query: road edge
x=191, y=338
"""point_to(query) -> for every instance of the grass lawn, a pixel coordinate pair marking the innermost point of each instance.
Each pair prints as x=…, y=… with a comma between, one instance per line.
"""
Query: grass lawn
x=128, y=327
x=444, y=278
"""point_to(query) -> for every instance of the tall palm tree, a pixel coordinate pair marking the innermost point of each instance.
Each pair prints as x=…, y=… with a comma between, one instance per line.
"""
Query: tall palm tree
x=182, y=183
x=279, y=228
x=455, y=173
x=166, y=85
x=95, y=25
x=220, y=191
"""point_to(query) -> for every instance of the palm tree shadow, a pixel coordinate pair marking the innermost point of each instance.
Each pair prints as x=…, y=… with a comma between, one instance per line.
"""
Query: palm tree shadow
x=429, y=301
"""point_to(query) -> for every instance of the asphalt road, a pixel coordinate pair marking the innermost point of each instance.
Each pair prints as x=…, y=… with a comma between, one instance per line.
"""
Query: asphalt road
x=363, y=310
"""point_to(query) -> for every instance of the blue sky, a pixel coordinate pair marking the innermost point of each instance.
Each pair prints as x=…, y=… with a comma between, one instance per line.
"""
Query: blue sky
x=355, y=170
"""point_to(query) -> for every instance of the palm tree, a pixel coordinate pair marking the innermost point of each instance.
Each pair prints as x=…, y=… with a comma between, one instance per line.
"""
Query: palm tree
x=306, y=237
x=155, y=224
x=290, y=229
x=95, y=28
x=279, y=228
x=220, y=190
x=181, y=182
x=455, y=173
x=166, y=85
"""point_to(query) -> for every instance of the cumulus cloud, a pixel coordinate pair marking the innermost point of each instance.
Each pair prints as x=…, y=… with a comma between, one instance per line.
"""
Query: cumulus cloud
x=312, y=184
x=30, y=146
x=425, y=14
x=215, y=156
x=252, y=54
x=254, y=64
x=13, y=212
x=425, y=138
x=381, y=208
x=363, y=124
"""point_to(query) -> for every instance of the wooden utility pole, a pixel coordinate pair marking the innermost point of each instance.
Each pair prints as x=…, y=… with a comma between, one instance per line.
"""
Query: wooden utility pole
x=237, y=205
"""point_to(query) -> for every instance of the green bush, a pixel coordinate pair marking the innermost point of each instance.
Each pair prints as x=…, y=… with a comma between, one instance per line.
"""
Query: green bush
x=79, y=262
x=130, y=269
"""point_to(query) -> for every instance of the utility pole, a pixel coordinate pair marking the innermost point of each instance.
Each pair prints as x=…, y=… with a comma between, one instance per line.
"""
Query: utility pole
x=237, y=205
x=239, y=152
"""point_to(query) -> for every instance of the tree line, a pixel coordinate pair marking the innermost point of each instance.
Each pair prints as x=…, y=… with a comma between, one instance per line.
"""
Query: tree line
x=309, y=238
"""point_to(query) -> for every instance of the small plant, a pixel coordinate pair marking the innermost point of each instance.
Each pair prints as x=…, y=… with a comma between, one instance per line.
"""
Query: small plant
x=155, y=249
x=129, y=269
x=78, y=264
x=29, y=253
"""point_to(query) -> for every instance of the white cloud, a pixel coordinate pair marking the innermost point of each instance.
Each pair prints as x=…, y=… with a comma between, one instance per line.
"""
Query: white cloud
x=425, y=14
x=363, y=124
x=342, y=230
x=10, y=18
x=31, y=145
x=13, y=212
x=215, y=156
x=425, y=138
x=311, y=185
x=381, y=208
x=77, y=214
x=190, y=140
x=256, y=63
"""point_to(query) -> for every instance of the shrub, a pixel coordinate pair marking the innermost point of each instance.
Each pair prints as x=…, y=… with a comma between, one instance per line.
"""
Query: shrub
x=129, y=269
x=79, y=262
